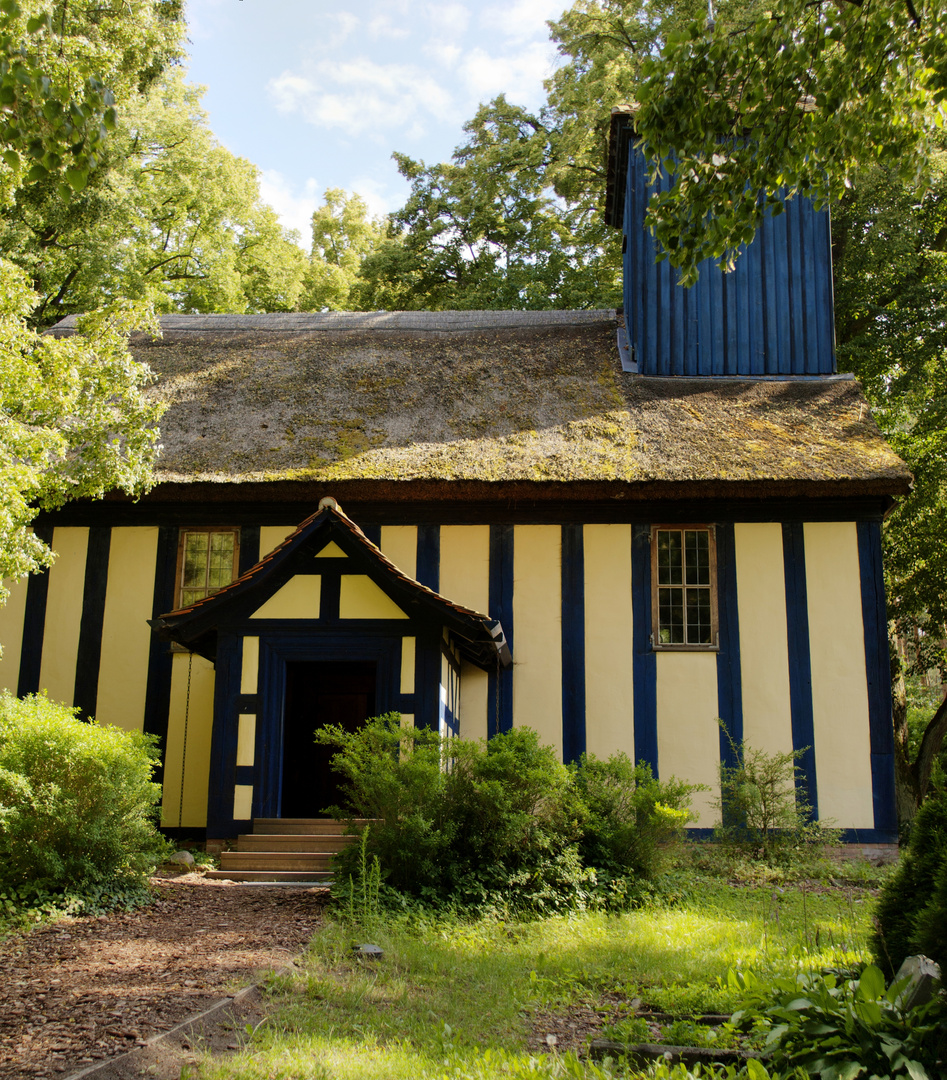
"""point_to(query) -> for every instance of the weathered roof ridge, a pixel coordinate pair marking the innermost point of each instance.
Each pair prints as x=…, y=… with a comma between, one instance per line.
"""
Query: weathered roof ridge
x=432, y=321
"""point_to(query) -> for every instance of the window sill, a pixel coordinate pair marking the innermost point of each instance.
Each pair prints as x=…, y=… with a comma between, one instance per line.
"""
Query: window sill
x=685, y=648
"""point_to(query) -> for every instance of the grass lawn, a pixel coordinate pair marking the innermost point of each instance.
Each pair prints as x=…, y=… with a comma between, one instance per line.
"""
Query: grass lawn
x=463, y=999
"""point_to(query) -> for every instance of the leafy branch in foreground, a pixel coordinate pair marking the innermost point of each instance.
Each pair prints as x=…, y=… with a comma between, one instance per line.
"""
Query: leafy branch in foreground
x=74, y=418
x=789, y=102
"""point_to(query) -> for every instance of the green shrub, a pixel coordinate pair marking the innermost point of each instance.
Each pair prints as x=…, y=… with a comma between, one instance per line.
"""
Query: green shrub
x=501, y=823
x=460, y=821
x=912, y=909
x=628, y=817
x=830, y=1027
x=761, y=809
x=76, y=802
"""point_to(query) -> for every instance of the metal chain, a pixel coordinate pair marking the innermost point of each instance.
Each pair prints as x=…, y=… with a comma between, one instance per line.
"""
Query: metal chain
x=187, y=713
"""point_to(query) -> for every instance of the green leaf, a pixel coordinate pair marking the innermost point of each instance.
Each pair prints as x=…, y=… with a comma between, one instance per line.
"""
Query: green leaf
x=871, y=985
x=77, y=178
x=12, y=158
x=38, y=172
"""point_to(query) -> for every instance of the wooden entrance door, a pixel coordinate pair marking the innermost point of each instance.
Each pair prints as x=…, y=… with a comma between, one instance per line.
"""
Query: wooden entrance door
x=319, y=693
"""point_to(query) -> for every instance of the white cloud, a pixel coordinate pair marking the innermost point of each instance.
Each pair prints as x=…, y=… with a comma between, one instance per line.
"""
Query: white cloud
x=341, y=27
x=522, y=20
x=382, y=27
x=443, y=53
x=294, y=210
x=359, y=95
x=519, y=75
x=452, y=19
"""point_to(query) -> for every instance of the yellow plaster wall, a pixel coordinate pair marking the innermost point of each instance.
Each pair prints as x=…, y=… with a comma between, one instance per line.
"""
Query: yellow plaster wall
x=764, y=647
x=63, y=614
x=408, y=652
x=465, y=565
x=331, y=551
x=197, y=714
x=243, y=802
x=609, y=687
x=246, y=738
x=839, y=691
x=272, y=536
x=126, y=635
x=400, y=544
x=688, y=735
x=360, y=598
x=475, y=702
x=298, y=599
x=12, y=615
x=537, y=620
x=249, y=665
x=465, y=579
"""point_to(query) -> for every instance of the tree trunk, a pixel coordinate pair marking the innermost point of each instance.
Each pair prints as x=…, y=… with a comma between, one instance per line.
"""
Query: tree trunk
x=912, y=778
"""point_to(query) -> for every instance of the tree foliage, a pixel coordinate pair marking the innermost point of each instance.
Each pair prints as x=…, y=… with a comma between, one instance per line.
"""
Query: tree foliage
x=170, y=217
x=62, y=63
x=74, y=421
x=343, y=236
x=744, y=113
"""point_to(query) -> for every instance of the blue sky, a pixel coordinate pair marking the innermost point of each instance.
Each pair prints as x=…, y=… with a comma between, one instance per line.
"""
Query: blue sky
x=319, y=94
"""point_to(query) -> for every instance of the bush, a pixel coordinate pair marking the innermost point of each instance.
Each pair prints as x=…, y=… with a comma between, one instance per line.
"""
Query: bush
x=502, y=823
x=629, y=817
x=76, y=802
x=912, y=910
x=761, y=809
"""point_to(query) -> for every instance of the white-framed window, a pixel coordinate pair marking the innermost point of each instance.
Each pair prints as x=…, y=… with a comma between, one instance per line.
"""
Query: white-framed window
x=207, y=561
x=683, y=587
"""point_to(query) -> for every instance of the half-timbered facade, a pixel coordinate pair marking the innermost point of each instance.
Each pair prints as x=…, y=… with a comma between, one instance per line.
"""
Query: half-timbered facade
x=618, y=529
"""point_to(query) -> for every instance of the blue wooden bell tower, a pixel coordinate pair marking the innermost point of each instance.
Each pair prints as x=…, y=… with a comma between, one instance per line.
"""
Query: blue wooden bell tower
x=770, y=316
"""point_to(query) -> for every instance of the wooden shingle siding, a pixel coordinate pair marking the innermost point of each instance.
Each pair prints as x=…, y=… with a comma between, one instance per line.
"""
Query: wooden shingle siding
x=772, y=315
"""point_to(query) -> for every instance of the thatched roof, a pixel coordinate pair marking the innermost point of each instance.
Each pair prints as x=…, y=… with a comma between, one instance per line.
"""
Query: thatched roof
x=487, y=397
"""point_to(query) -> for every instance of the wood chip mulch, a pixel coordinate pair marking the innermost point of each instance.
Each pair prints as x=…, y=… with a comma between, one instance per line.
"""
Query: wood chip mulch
x=82, y=990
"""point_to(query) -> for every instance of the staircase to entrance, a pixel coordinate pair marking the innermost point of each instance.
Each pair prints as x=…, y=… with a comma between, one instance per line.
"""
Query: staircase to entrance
x=289, y=850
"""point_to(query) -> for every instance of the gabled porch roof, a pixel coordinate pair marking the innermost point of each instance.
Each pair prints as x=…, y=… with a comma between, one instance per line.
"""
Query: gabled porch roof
x=479, y=638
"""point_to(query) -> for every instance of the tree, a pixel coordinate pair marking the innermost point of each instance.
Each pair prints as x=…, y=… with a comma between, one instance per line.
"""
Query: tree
x=343, y=235
x=170, y=216
x=486, y=231
x=74, y=421
x=60, y=65
x=745, y=113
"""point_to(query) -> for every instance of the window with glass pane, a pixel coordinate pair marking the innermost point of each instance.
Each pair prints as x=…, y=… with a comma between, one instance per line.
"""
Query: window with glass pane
x=684, y=586
x=208, y=562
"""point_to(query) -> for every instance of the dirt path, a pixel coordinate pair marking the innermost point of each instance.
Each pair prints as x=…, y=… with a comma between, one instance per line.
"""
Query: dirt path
x=83, y=990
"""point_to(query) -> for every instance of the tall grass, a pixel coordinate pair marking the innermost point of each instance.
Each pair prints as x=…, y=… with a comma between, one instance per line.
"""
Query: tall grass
x=455, y=999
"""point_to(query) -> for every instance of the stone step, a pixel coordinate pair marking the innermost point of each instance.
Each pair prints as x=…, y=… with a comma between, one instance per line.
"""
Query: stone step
x=275, y=860
x=308, y=826
x=281, y=877
x=292, y=842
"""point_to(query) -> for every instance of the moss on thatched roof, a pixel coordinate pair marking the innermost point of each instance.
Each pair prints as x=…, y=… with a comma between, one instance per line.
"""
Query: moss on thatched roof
x=482, y=396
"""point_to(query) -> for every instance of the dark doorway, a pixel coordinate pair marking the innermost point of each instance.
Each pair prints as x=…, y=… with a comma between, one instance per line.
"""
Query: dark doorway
x=319, y=693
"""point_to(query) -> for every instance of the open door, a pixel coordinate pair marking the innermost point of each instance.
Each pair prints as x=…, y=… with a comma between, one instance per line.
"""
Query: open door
x=320, y=693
